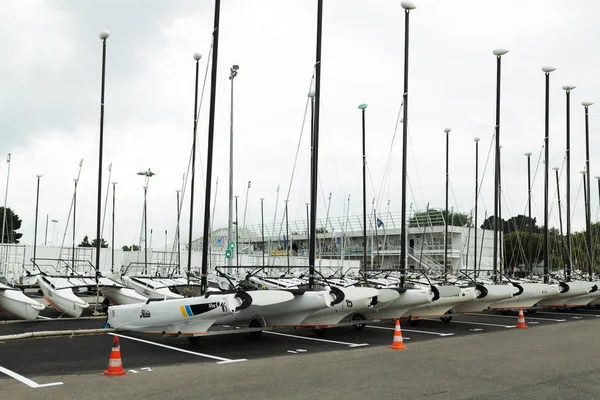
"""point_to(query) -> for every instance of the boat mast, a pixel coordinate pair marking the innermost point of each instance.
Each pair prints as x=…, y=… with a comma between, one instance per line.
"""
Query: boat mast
x=407, y=6
x=211, y=134
x=315, y=152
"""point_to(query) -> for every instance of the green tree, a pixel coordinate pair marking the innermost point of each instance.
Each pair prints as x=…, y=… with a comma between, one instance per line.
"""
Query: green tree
x=86, y=243
x=127, y=248
x=103, y=243
x=12, y=224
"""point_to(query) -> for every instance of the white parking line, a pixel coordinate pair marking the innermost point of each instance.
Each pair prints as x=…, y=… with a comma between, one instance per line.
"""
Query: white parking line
x=510, y=316
x=317, y=339
x=221, y=359
x=473, y=323
x=572, y=314
x=27, y=381
x=411, y=330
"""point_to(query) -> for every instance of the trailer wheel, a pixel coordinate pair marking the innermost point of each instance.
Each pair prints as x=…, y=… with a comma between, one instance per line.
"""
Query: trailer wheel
x=105, y=305
x=358, y=317
x=505, y=312
x=319, y=331
x=255, y=324
x=446, y=319
x=413, y=322
x=193, y=340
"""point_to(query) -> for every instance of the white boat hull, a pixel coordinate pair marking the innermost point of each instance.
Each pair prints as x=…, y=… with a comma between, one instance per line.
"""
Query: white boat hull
x=62, y=299
x=393, y=304
x=145, y=289
x=488, y=295
x=188, y=316
x=573, y=290
x=530, y=294
x=289, y=313
x=14, y=302
x=122, y=295
x=357, y=301
x=588, y=299
x=450, y=297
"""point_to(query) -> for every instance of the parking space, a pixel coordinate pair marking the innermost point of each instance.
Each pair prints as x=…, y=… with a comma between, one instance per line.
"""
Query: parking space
x=89, y=354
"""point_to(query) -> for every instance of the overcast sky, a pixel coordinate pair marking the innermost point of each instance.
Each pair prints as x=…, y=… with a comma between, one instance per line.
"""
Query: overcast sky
x=50, y=95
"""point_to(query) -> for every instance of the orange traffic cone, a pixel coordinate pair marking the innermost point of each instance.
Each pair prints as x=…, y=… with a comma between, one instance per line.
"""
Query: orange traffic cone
x=398, y=343
x=521, y=321
x=115, y=368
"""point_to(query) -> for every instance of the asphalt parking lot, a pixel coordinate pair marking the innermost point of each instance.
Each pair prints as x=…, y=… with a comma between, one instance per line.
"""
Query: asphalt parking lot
x=89, y=354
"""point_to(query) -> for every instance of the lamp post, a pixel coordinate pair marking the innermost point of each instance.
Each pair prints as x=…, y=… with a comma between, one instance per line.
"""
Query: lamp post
x=407, y=6
x=447, y=130
x=363, y=108
x=555, y=169
x=74, y=215
x=498, y=53
x=37, y=198
x=476, y=140
x=103, y=36
x=54, y=229
x=547, y=71
x=148, y=174
x=529, y=242
x=237, y=229
x=262, y=228
x=567, y=89
x=46, y=233
x=585, y=202
x=586, y=105
x=287, y=235
x=112, y=264
x=232, y=74
x=178, y=234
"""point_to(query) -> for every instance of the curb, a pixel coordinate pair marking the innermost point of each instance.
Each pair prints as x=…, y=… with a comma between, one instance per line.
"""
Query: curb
x=46, y=334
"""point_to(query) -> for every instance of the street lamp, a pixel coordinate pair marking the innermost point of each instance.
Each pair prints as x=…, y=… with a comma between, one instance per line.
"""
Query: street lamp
x=363, y=108
x=547, y=71
x=407, y=6
x=233, y=73
x=37, y=198
x=447, y=130
x=262, y=228
x=586, y=105
x=287, y=235
x=529, y=244
x=112, y=265
x=567, y=89
x=555, y=169
x=498, y=53
x=103, y=36
x=178, y=235
x=76, y=180
x=476, y=140
x=148, y=174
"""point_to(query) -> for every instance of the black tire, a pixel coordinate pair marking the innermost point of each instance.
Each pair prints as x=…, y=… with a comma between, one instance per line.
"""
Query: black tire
x=193, y=340
x=446, y=319
x=319, y=331
x=413, y=322
x=105, y=305
x=531, y=310
x=505, y=312
x=255, y=324
x=358, y=317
